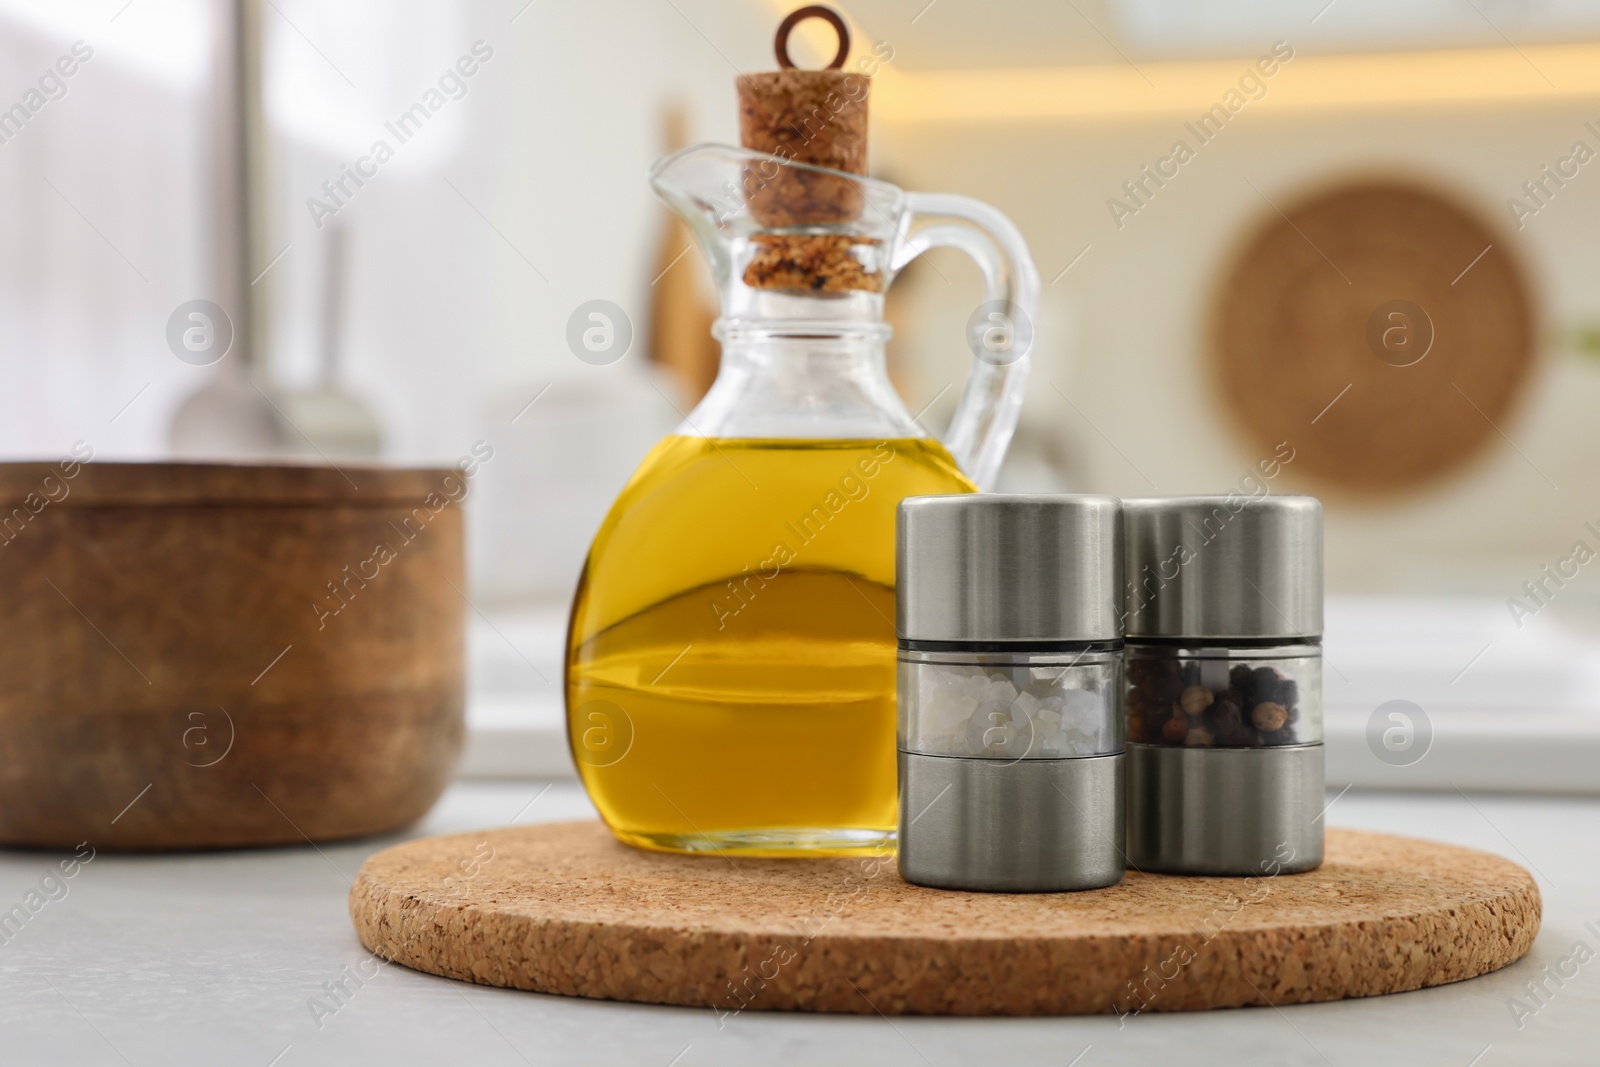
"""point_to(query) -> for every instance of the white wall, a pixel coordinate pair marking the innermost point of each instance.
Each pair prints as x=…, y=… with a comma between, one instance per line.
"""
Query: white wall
x=1129, y=350
x=451, y=330
x=468, y=251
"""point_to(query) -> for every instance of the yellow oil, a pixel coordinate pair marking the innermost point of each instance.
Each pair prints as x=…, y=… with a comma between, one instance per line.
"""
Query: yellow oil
x=731, y=660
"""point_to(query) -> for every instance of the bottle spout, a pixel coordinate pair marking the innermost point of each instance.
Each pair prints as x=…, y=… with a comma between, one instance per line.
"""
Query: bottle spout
x=699, y=184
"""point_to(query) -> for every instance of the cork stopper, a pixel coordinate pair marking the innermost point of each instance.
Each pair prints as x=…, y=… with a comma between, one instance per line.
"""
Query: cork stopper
x=817, y=117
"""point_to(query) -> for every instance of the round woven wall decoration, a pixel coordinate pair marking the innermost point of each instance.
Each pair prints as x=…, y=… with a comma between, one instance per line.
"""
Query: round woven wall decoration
x=1379, y=329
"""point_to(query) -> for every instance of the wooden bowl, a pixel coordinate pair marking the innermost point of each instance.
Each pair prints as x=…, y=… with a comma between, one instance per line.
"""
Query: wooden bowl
x=210, y=655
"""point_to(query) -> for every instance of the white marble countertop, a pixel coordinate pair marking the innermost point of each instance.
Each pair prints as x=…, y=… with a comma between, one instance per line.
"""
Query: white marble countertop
x=216, y=958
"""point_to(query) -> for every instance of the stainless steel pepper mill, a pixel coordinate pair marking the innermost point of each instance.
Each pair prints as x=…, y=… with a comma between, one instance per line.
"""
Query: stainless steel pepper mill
x=1224, y=661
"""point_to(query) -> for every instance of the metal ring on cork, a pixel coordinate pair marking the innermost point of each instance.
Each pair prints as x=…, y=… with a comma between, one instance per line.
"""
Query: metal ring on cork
x=813, y=11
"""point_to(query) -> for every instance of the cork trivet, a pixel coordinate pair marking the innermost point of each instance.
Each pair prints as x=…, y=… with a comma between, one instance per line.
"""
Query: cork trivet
x=564, y=908
x=1298, y=338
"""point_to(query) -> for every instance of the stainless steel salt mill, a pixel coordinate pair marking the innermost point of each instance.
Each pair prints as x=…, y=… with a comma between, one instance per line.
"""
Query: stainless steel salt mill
x=1224, y=667
x=1010, y=691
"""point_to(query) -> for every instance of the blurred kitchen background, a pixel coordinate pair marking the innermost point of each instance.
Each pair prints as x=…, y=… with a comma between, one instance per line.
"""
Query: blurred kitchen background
x=1182, y=334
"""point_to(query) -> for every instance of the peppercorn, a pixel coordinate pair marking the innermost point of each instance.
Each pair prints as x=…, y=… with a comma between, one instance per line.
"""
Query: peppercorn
x=1225, y=714
x=1195, y=700
x=1237, y=735
x=1138, y=702
x=1269, y=717
x=1162, y=688
x=1176, y=729
x=1199, y=737
x=1267, y=682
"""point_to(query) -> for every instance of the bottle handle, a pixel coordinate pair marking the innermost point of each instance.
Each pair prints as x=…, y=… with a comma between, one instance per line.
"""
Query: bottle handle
x=999, y=333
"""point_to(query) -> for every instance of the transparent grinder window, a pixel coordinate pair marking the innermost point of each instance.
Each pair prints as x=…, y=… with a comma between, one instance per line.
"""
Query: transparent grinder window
x=1224, y=697
x=1011, y=705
